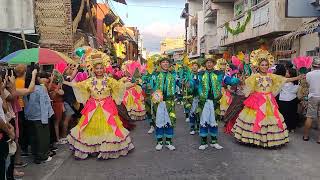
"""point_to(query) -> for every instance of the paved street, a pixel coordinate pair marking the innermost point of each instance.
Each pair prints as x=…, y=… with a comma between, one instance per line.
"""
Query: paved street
x=299, y=160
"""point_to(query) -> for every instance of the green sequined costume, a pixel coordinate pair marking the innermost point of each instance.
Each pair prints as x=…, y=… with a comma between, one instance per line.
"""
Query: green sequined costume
x=147, y=85
x=165, y=82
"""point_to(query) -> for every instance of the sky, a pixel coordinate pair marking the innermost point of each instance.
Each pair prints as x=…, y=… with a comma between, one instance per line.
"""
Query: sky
x=155, y=19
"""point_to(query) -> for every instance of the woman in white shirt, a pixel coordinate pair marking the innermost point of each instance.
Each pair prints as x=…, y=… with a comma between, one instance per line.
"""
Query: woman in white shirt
x=288, y=101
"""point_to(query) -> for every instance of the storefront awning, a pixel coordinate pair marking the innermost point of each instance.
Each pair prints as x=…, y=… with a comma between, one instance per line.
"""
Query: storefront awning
x=306, y=28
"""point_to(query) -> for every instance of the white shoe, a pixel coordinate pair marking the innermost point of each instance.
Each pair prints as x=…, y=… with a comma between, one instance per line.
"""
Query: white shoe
x=192, y=132
x=171, y=147
x=203, y=147
x=159, y=147
x=187, y=120
x=216, y=145
x=49, y=159
x=151, y=130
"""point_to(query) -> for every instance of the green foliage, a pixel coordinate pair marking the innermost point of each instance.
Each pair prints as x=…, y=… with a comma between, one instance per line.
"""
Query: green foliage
x=240, y=27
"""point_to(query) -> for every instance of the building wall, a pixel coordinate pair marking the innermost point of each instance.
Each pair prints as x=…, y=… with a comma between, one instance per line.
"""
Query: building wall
x=267, y=17
x=308, y=43
x=201, y=32
x=194, y=7
x=171, y=43
x=224, y=12
x=54, y=25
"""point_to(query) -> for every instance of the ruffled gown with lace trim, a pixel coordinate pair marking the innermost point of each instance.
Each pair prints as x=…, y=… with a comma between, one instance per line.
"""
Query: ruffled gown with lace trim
x=100, y=131
x=134, y=102
x=260, y=123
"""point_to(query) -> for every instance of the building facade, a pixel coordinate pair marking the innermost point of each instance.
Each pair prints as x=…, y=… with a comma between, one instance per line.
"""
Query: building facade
x=171, y=43
x=218, y=26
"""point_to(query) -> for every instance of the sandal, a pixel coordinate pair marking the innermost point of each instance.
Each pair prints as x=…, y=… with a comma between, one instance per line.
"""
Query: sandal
x=20, y=165
x=305, y=138
x=18, y=174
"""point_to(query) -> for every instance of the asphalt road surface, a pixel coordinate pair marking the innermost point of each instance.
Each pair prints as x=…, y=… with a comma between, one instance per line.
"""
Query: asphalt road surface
x=298, y=160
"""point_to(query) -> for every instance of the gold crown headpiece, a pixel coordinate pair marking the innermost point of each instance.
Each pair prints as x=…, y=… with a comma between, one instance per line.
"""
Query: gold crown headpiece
x=258, y=55
x=97, y=57
x=219, y=63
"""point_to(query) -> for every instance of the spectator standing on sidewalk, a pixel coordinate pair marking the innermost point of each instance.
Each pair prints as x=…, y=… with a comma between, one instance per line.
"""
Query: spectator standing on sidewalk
x=56, y=94
x=22, y=136
x=313, y=109
x=37, y=112
x=288, y=101
x=69, y=99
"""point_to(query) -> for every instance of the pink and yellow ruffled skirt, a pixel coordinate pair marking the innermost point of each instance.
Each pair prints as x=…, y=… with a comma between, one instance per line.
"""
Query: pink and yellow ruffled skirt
x=225, y=101
x=271, y=132
x=103, y=135
x=134, y=102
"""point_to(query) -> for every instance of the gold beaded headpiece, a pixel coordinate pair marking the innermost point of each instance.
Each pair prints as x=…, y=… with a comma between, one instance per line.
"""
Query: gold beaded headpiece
x=97, y=57
x=258, y=55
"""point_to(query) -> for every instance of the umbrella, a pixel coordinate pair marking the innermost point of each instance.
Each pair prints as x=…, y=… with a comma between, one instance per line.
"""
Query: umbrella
x=36, y=55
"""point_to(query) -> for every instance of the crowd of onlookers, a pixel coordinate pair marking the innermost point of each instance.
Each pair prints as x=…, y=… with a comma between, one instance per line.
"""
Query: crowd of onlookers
x=35, y=115
x=299, y=102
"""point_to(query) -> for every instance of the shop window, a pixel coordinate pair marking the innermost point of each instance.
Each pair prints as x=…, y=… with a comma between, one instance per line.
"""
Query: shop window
x=239, y=8
x=261, y=16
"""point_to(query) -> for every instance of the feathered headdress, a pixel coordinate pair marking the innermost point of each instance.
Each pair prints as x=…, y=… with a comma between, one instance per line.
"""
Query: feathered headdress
x=236, y=61
x=241, y=56
x=303, y=63
x=150, y=66
x=185, y=60
x=133, y=66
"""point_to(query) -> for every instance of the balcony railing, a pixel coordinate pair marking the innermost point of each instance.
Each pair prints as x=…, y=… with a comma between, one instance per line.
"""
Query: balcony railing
x=210, y=11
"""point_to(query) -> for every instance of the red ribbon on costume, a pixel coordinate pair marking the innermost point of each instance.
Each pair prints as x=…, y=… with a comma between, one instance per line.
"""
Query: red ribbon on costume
x=108, y=106
x=255, y=101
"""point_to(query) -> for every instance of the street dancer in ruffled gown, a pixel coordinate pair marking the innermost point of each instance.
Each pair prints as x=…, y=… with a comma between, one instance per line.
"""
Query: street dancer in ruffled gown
x=134, y=97
x=260, y=123
x=100, y=131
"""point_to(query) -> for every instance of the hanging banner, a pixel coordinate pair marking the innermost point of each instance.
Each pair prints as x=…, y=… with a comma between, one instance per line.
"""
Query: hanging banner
x=17, y=16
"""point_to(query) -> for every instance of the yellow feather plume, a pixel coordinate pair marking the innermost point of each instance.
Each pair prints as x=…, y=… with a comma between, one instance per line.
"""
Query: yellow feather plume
x=186, y=60
x=150, y=66
x=240, y=56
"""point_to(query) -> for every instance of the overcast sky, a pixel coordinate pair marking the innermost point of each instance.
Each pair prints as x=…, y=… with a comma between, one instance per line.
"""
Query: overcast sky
x=154, y=23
